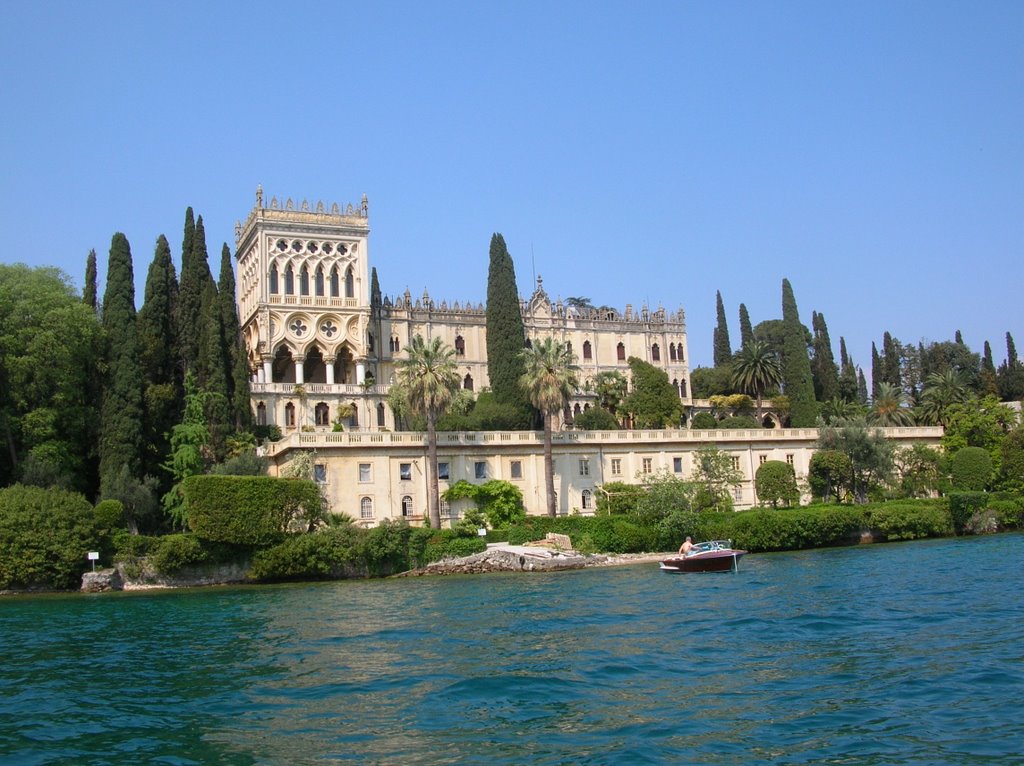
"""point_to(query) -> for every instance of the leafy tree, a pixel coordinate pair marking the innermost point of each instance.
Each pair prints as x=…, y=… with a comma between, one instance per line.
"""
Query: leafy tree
x=596, y=419
x=870, y=454
x=611, y=387
x=709, y=381
x=121, y=435
x=891, y=356
x=617, y=497
x=1012, y=460
x=939, y=358
x=775, y=483
x=756, y=370
x=978, y=423
x=830, y=474
x=722, y=346
x=796, y=366
x=717, y=474
x=138, y=499
x=430, y=380
x=549, y=379
x=89, y=290
x=195, y=278
x=212, y=374
x=703, y=421
x=823, y=365
x=746, y=330
x=918, y=470
x=654, y=401
x=664, y=494
x=971, y=469
x=49, y=346
x=190, y=450
x=1010, y=375
x=890, y=407
x=839, y=409
x=500, y=501
x=987, y=382
x=506, y=336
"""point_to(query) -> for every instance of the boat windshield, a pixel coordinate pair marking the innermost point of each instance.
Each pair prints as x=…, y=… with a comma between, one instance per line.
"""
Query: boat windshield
x=711, y=545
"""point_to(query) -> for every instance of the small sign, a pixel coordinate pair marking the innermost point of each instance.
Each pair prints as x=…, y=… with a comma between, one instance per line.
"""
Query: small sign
x=482, y=532
x=94, y=555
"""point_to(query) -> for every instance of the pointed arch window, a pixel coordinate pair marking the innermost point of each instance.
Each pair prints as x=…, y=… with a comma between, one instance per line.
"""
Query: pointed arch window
x=568, y=347
x=655, y=353
x=381, y=422
x=587, y=350
x=323, y=414
x=261, y=414
x=672, y=352
x=620, y=352
x=467, y=382
x=320, y=281
x=335, y=289
x=289, y=281
x=350, y=283
x=304, y=281
x=460, y=345
x=289, y=415
x=273, y=280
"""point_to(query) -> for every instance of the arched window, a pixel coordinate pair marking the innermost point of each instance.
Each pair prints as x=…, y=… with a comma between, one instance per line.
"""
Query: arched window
x=460, y=346
x=576, y=409
x=672, y=352
x=350, y=284
x=682, y=388
x=354, y=420
x=304, y=281
x=289, y=415
x=586, y=499
x=366, y=508
x=381, y=422
x=679, y=353
x=323, y=414
x=273, y=279
x=587, y=351
x=620, y=353
x=335, y=289
x=568, y=347
x=289, y=281
x=320, y=281
x=467, y=382
x=261, y=414
x=369, y=341
x=407, y=506
x=529, y=343
x=655, y=353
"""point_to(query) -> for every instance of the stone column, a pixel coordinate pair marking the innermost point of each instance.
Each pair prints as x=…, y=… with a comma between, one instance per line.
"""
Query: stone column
x=267, y=371
x=300, y=369
x=360, y=372
x=329, y=361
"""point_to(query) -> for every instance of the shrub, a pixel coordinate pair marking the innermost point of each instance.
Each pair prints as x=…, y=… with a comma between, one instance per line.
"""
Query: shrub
x=329, y=554
x=972, y=469
x=1009, y=512
x=387, y=548
x=173, y=552
x=775, y=483
x=44, y=537
x=618, y=497
x=703, y=421
x=500, y=501
x=910, y=520
x=109, y=514
x=738, y=421
x=449, y=545
x=963, y=505
x=596, y=419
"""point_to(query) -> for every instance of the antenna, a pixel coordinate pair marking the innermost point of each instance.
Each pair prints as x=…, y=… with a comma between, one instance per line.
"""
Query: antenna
x=533, y=263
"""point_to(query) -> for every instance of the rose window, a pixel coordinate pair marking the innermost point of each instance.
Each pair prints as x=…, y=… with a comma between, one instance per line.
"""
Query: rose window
x=298, y=327
x=328, y=328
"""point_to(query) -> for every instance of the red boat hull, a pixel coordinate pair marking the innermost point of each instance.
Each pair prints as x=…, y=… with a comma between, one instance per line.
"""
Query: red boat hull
x=713, y=561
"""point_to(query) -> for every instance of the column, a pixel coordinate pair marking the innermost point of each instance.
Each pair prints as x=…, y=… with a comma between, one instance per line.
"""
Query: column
x=300, y=369
x=267, y=371
x=329, y=361
x=360, y=372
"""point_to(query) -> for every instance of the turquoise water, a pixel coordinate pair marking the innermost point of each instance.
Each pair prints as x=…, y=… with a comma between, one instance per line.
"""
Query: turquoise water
x=889, y=654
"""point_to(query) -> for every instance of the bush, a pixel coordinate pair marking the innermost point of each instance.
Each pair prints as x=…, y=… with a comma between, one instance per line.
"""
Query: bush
x=618, y=497
x=775, y=483
x=910, y=520
x=250, y=510
x=1009, y=512
x=738, y=421
x=972, y=469
x=596, y=419
x=703, y=421
x=387, y=548
x=330, y=554
x=963, y=505
x=44, y=537
x=173, y=552
x=449, y=545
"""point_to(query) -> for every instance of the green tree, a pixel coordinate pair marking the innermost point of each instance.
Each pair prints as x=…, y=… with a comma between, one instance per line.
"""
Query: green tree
x=596, y=419
x=823, y=365
x=654, y=401
x=121, y=434
x=89, y=290
x=847, y=390
x=611, y=387
x=830, y=474
x=212, y=374
x=236, y=363
x=49, y=346
x=716, y=473
x=941, y=391
x=892, y=352
x=506, y=336
x=889, y=407
x=190, y=453
x=755, y=370
x=870, y=454
x=775, y=483
x=429, y=378
x=722, y=345
x=978, y=423
x=746, y=330
x=549, y=380
x=711, y=381
x=1012, y=460
x=971, y=469
x=839, y=409
x=918, y=470
x=1010, y=375
x=499, y=501
x=797, y=381
x=195, y=278
x=987, y=381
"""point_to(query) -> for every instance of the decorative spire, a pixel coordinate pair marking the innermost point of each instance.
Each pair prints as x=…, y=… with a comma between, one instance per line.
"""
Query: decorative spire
x=259, y=195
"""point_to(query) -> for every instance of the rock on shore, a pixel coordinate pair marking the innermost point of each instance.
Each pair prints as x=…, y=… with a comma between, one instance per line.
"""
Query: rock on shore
x=510, y=558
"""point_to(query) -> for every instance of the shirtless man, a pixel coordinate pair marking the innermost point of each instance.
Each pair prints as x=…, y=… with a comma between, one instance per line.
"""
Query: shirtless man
x=686, y=547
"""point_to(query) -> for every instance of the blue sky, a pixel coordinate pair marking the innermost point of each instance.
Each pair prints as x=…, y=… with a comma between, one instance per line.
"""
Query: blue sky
x=871, y=152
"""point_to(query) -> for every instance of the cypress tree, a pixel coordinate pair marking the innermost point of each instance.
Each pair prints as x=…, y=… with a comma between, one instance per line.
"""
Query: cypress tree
x=823, y=368
x=847, y=374
x=796, y=365
x=158, y=358
x=236, y=363
x=891, y=353
x=195, y=277
x=862, y=387
x=746, y=330
x=121, y=436
x=876, y=370
x=958, y=338
x=722, y=347
x=506, y=336
x=213, y=374
x=987, y=381
x=89, y=290
x=1010, y=376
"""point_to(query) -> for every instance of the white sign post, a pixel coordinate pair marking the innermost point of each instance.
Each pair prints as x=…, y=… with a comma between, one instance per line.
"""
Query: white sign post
x=93, y=556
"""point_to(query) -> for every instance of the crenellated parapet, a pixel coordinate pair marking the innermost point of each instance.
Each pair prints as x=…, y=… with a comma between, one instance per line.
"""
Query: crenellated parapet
x=303, y=214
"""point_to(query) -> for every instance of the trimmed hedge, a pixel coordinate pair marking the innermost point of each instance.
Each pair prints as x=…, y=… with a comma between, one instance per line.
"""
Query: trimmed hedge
x=249, y=510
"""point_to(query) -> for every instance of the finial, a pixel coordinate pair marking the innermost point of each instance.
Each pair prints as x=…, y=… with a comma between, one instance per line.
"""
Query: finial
x=259, y=195
x=366, y=206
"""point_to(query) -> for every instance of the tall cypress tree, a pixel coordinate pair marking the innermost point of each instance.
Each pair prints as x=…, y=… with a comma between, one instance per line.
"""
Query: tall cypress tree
x=722, y=347
x=876, y=370
x=121, y=435
x=823, y=368
x=796, y=365
x=891, y=361
x=1010, y=376
x=847, y=374
x=195, y=277
x=987, y=381
x=159, y=358
x=746, y=329
x=862, y=387
x=212, y=373
x=506, y=336
x=236, y=363
x=89, y=290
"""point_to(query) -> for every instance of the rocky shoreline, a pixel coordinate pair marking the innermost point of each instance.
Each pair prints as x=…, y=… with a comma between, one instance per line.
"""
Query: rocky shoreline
x=526, y=558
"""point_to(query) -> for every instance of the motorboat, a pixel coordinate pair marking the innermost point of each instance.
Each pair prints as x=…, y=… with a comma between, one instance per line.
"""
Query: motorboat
x=710, y=556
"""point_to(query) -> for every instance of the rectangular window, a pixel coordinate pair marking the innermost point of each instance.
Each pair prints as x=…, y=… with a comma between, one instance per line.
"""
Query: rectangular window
x=517, y=469
x=762, y=459
x=442, y=471
x=320, y=473
x=480, y=470
x=648, y=463
x=405, y=471
x=789, y=458
x=616, y=466
x=737, y=493
x=365, y=473
x=735, y=462
x=677, y=464
x=584, y=466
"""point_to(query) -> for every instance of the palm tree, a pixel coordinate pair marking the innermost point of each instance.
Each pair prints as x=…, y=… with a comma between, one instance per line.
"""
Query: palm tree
x=429, y=379
x=756, y=369
x=836, y=409
x=549, y=380
x=941, y=390
x=889, y=407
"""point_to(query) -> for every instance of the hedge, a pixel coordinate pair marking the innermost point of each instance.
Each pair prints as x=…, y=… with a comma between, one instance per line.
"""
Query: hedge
x=250, y=510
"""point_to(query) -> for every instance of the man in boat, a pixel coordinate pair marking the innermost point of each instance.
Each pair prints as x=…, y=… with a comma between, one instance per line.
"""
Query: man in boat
x=686, y=547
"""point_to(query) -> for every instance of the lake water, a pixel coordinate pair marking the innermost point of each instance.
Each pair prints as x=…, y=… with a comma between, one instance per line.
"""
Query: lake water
x=889, y=654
